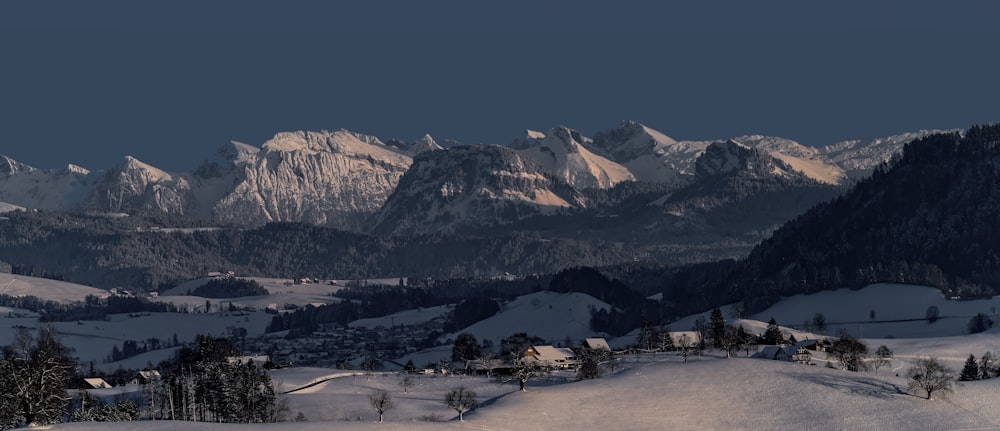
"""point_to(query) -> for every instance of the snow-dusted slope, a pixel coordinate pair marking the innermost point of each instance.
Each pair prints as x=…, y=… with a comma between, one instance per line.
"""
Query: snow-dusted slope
x=882, y=311
x=804, y=159
x=9, y=166
x=858, y=157
x=332, y=178
x=470, y=187
x=426, y=143
x=548, y=315
x=25, y=186
x=734, y=158
x=527, y=139
x=45, y=289
x=217, y=176
x=564, y=154
x=6, y=207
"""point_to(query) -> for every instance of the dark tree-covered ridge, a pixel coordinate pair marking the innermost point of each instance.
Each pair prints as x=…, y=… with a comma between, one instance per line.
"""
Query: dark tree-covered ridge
x=929, y=217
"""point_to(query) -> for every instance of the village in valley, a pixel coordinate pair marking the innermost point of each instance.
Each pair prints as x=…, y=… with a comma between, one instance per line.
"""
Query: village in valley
x=408, y=353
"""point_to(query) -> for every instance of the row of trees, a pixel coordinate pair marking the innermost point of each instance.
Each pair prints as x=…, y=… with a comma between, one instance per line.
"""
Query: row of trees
x=460, y=399
x=987, y=367
x=206, y=385
x=229, y=287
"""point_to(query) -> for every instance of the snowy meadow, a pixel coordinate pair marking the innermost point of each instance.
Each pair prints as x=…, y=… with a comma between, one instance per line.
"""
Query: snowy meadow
x=648, y=391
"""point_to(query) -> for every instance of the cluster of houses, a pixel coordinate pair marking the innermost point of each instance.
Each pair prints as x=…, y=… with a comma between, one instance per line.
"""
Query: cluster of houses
x=143, y=377
x=332, y=346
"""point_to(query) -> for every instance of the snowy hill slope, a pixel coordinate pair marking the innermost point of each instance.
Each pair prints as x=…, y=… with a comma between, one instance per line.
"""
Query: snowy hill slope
x=858, y=157
x=45, y=289
x=648, y=393
x=6, y=207
x=548, y=315
x=882, y=311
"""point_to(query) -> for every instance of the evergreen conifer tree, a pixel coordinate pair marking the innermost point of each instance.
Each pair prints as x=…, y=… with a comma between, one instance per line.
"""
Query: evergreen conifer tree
x=970, y=371
x=772, y=335
x=718, y=327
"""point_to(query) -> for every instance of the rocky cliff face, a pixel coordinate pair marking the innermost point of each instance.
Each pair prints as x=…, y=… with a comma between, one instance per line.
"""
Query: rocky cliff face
x=732, y=158
x=134, y=185
x=337, y=179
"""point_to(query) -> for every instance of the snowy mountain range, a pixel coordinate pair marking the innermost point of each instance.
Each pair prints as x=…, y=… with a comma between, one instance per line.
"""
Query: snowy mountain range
x=349, y=180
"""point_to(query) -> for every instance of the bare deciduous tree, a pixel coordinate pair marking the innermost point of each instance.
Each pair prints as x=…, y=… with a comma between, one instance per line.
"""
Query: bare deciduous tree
x=461, y=399
x=381, y=401
x=686, y=345
x=525, y=370
x=405, y=382
x=882, y=358
x=931, y=376
x=39, y=369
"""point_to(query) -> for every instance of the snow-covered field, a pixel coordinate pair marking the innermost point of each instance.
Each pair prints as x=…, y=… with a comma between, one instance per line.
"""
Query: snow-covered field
x=43, y=288
x=647, y=392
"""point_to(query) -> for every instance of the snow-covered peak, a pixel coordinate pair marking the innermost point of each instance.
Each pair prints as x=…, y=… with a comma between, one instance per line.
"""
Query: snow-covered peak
x=734, y=158
x=150, y=173
x=227, y=159
x=239, y=153
x=9, y=166
x=470, y=187
x=426, y=143
x=527, y=139
x=341, y=142
x=632, y=140
x=72, y=169
x=773, y=144
x=649, y=154
x=563, y=153
x=534, y=134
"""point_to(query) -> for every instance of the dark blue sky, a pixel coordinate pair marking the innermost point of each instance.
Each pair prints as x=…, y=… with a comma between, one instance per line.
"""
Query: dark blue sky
x=89, y=82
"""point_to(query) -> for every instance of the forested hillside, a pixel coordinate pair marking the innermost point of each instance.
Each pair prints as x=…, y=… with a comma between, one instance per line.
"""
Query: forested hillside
x=93, y=250
x=929, y=217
